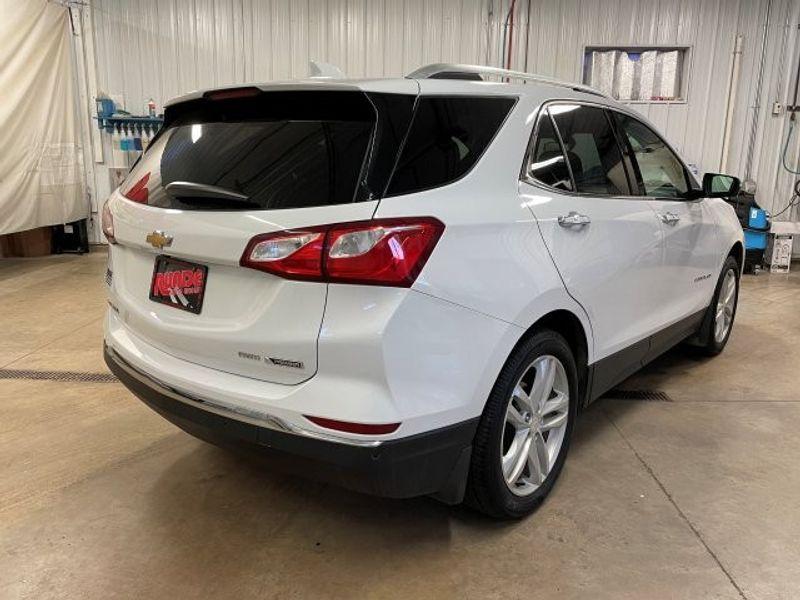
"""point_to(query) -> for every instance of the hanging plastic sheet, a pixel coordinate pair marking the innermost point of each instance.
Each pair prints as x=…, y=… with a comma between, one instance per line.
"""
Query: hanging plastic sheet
x=41, y=172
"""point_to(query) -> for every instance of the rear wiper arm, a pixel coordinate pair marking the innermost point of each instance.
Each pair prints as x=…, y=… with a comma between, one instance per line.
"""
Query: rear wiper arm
x=189, y=189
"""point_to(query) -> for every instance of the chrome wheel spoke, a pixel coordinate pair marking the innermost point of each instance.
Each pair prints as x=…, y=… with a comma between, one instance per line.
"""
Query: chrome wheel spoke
x=514, y=461
x=554, y=421
x=543, y=384
x=538, y=459
x=729, y=293
x=514, y=416
x=522, y=397
x=555, y=405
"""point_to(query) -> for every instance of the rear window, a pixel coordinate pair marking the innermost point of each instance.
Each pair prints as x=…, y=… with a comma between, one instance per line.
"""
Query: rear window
x=448, y=135
x=277, y=150
x=274, y=164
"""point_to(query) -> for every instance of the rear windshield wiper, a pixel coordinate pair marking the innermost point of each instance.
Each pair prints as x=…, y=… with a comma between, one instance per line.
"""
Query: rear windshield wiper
x=201, y=193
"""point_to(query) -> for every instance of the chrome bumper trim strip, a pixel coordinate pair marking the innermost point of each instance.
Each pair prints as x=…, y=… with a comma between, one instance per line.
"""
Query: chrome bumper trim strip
x=247, y=416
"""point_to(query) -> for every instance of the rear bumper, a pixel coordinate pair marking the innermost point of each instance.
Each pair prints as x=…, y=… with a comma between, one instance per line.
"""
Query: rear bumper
x=431, y=463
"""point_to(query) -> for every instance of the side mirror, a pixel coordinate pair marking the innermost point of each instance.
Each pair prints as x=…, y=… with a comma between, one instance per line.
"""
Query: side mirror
x=716, y=185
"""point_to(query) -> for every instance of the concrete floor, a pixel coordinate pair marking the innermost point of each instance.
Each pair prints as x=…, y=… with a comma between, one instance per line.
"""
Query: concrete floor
x=101, y=498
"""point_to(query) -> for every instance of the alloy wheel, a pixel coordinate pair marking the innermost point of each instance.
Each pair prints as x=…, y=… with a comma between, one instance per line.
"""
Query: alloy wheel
x=535, y=425
x=726, y=303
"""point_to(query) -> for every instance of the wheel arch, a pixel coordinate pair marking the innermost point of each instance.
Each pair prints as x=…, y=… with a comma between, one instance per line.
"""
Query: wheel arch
x=737, y=252
x=569, y=325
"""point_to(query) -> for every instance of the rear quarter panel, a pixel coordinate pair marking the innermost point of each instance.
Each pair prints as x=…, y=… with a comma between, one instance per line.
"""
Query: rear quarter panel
x=491, y=258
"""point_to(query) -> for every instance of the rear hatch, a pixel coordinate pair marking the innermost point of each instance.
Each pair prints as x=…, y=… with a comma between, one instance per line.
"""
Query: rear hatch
x=229, y=166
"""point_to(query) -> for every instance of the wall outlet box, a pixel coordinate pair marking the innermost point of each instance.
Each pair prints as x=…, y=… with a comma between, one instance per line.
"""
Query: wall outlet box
x=777, y=108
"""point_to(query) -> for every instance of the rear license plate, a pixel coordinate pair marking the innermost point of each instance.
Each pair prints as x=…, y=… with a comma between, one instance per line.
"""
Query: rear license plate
x=178, y=283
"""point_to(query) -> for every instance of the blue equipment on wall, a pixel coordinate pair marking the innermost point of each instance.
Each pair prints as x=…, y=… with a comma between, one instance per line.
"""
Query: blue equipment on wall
x=110, y=117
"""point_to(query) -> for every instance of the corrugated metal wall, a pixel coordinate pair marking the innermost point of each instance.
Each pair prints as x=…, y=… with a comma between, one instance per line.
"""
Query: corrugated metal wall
x=162, y=48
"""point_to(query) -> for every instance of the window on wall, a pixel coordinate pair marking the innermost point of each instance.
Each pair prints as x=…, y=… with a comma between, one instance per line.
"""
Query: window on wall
x=637, y=74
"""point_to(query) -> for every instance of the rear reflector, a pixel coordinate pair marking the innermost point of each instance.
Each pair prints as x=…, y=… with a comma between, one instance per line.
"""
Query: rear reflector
x=389, y=252
x=362, y=428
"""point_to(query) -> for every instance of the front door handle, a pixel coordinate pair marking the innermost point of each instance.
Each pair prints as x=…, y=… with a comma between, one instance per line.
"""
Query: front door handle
x=669, y=218
x=574, y=219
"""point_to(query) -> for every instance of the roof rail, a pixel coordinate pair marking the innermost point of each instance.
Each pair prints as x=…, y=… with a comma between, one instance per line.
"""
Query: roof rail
x=456, y=71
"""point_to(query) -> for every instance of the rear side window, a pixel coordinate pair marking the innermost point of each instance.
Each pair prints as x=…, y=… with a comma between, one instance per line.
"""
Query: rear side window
x=592, y=150
x=548, y=163
x=662, y=173
x=448, y=135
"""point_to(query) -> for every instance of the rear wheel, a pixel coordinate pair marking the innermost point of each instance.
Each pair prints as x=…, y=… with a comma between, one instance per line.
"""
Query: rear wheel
x=718, y=321
x=524, y=433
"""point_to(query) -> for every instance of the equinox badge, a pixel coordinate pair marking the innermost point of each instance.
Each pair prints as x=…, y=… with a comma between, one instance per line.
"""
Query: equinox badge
x=159, y=239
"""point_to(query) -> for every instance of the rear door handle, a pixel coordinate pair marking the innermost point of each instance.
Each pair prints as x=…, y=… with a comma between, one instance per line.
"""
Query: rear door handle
x=574, y=219
x=669, y=218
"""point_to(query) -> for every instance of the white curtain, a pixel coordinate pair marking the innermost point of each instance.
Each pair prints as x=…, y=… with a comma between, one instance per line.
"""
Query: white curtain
x=41, y=173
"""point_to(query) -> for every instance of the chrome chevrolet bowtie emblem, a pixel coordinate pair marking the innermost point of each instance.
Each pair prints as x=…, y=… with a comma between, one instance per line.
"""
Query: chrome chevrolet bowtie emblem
x=159, y=239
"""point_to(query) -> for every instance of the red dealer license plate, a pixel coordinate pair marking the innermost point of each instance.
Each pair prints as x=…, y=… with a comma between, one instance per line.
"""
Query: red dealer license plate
x=178, y=283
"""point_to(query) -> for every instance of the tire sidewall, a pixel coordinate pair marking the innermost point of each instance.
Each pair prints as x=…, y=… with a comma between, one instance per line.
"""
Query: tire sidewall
x=713, y=345
x=543, y=343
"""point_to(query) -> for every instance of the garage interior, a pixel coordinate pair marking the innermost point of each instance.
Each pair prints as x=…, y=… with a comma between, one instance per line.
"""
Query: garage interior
x=681, y=483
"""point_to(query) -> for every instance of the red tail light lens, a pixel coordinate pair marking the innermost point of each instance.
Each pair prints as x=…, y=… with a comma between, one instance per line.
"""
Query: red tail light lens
x=107, y=222
x=388, y=252
x=289, y=254
x=138, y=191
x=362, y=428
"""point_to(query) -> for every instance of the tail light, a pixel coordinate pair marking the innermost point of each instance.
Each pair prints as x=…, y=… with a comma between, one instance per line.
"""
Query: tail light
x=138, y=191
x=388, y=252
x=107, y=223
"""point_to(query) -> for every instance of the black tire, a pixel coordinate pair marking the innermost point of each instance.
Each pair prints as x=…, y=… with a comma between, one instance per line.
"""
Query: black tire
x=707, y=342
x=487, y=490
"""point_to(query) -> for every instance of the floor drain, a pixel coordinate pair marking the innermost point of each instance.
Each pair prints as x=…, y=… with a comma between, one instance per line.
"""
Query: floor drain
x=73, y=376
x=644, y=395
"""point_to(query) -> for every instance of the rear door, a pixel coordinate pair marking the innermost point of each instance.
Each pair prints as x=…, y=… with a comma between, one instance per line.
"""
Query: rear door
x=224, y=170
x=690, y=253
x=606, y=244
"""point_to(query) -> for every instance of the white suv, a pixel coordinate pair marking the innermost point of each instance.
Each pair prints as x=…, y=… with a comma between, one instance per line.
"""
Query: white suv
x=409, y=286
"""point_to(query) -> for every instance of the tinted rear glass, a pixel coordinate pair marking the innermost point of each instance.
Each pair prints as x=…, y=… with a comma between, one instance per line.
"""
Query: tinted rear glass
x=278, y=150
x=448, y=135
x=547, y=163
x=276, y=164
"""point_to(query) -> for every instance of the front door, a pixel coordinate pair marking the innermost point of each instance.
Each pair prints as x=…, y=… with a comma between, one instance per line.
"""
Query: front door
x=606, y=244
x=690, y=255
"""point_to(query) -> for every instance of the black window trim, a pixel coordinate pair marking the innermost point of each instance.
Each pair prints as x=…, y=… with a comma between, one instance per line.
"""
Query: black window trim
x=544, y=110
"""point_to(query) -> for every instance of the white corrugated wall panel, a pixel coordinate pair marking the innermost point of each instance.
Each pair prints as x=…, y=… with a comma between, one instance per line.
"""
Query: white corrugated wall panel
x=162, y=48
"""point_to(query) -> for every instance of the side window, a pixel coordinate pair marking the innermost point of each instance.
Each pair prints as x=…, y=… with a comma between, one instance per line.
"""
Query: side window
x=448, y=135
x=592, y=150
x=547, y=161
x=662, y=173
